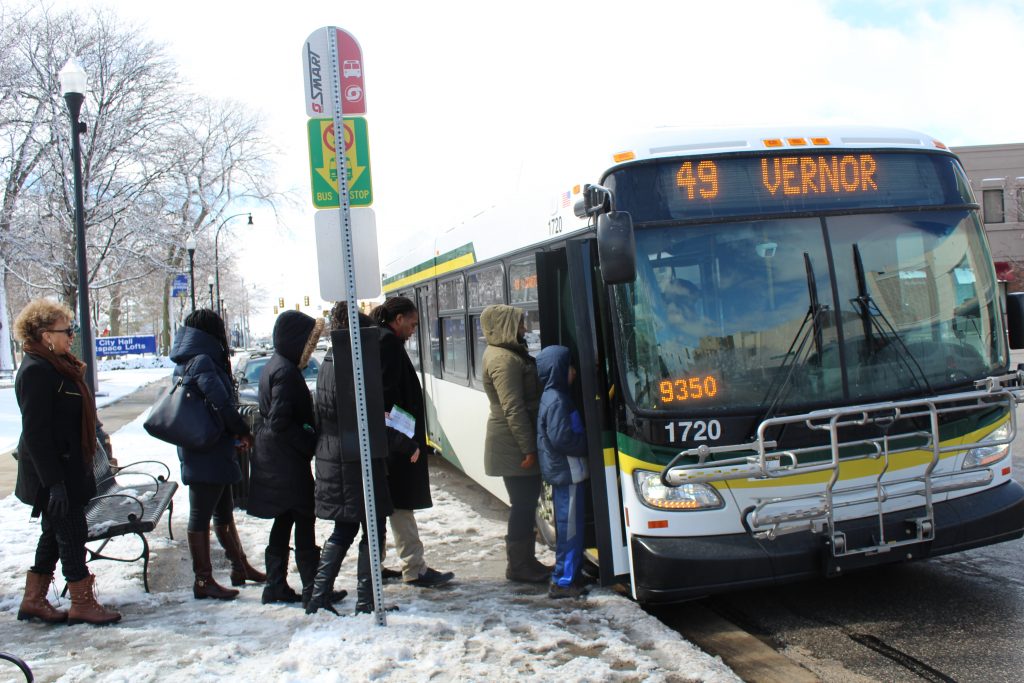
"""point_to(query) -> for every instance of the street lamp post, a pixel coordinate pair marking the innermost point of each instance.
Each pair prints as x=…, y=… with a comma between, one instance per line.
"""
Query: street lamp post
x=209, y=281
x=73, y=82
x=190, y=246
x=216, y=253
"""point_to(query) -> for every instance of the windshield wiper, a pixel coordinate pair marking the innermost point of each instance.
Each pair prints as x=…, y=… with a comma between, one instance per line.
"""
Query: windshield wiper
x=799, y=349
x=872, y=319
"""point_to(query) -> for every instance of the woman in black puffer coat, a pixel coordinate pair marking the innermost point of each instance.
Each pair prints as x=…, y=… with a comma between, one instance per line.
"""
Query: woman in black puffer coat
x=339, y=486
x=281, y=483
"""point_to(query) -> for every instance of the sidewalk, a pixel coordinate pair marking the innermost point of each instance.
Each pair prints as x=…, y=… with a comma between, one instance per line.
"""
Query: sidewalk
x=113, y=417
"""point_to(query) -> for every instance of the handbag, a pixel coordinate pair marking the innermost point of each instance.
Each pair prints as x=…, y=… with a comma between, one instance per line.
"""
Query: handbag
x=184, y=417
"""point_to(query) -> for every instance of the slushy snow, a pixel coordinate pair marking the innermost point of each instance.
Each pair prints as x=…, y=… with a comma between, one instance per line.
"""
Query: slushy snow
x=475, y=629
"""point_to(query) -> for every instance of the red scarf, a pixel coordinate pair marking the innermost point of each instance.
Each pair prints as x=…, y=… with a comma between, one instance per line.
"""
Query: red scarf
x=73, y=369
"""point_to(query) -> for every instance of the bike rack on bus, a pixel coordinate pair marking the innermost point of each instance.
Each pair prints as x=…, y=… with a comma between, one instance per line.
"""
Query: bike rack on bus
x=815, y=511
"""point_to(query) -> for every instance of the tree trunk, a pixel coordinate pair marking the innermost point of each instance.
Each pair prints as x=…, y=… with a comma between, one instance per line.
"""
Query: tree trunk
x=165, y=308
x=6, y=341
x=114, y=313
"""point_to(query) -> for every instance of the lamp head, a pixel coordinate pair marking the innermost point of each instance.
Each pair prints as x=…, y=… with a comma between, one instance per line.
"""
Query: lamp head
x=190, y=243
x=73, y=79
x=210, y=281
x=250, y=219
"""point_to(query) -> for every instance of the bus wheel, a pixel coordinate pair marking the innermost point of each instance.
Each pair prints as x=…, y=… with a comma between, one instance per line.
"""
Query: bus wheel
x=545, y=517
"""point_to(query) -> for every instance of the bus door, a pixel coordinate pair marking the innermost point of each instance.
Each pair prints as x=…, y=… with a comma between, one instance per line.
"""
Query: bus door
x=572, y=313
x=430, y=360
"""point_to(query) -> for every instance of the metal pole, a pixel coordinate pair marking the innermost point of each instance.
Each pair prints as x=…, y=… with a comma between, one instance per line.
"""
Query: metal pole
x=192, y=276
x=211, y=297
x=354, y=331
x=74, y=102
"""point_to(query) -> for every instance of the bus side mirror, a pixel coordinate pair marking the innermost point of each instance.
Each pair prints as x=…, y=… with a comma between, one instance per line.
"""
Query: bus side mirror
x=616, y=247
x=1015, y=319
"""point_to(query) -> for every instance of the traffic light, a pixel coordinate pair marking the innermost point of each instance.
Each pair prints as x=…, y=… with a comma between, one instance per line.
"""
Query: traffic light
x=275, y=310
x=280, y=302
x=297, y=307
x=305, y=301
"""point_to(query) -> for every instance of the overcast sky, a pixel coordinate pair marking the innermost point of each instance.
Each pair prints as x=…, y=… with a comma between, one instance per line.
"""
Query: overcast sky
x=469, y=102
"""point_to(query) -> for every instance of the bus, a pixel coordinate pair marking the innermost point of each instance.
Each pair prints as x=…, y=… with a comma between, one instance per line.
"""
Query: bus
x=794, y=358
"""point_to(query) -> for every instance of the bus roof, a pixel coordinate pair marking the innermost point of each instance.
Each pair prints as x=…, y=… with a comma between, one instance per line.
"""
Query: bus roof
x=673, y=141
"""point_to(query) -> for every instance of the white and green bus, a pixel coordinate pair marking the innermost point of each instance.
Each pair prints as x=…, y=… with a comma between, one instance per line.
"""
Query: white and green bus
x=794, y=360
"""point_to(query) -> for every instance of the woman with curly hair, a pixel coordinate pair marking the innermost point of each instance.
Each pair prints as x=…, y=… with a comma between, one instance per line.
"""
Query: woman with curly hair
x=55, y=461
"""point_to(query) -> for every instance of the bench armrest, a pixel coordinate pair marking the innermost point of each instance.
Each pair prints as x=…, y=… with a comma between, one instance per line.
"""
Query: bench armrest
x=163, y=477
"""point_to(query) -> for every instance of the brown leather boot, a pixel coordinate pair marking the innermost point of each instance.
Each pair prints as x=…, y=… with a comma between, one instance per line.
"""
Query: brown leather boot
x=241, y=570
x=34, y=604
x=204, y=586
x=84, y=607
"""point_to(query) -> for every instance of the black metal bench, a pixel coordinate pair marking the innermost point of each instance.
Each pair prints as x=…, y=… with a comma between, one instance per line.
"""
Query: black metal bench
x=122, y=507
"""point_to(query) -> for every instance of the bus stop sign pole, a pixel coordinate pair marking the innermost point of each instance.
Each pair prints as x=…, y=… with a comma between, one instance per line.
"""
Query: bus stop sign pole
x=348, y=264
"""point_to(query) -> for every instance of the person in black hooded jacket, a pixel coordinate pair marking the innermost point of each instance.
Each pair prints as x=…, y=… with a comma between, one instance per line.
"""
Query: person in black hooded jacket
x=339, y=488
x=201, y=355
x=281, y=481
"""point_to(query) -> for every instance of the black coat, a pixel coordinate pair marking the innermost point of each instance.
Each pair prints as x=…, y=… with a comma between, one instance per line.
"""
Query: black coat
x=219, y=464
x=50, y=447
x=409, y=482
x=281, y=478
x=339, y=476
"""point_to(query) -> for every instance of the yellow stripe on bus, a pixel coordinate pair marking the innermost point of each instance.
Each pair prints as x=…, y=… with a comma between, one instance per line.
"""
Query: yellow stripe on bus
x=849, y=469
x=426, y=274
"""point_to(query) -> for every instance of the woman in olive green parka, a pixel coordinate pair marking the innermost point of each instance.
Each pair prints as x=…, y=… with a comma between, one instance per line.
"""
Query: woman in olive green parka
x=510, y=449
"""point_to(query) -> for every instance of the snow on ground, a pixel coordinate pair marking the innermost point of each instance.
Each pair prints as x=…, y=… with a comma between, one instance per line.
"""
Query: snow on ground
x=117, y=379
x=475, y=629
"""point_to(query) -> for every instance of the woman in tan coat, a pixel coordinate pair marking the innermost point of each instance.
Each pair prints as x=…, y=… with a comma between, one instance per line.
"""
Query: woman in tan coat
x=510, y=449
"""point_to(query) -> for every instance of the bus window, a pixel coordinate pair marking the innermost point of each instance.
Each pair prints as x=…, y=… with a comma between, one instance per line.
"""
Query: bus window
x=486, y=286
x=522, y=281
x=532, y=319
x=479, y=346
x=455, y=361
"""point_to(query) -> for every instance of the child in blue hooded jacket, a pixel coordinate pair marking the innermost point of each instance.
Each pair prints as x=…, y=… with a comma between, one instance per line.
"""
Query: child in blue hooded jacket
x=562, y=451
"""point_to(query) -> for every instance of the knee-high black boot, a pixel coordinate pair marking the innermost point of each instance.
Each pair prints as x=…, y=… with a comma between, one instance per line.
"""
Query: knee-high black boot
x=307, y=559
x=323, y=582
x=277, y=588
x=364, y=582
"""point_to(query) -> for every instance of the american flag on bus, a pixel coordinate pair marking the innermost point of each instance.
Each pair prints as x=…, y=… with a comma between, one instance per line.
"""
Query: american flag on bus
x=565, y=199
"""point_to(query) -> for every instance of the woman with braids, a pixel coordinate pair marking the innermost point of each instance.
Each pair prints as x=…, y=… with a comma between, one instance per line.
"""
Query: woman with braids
x=201, y=354
x=408, y=477
x=55, y=462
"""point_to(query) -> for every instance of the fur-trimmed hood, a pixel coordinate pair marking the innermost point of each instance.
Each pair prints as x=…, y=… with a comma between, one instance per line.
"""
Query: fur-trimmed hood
x=296, y=335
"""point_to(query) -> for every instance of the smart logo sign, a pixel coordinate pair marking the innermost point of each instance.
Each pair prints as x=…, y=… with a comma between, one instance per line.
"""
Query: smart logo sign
x=324, y=168
x=350, y=70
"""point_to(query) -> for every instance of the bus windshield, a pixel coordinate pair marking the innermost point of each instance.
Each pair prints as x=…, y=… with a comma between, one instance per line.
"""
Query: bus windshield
x=792, y=313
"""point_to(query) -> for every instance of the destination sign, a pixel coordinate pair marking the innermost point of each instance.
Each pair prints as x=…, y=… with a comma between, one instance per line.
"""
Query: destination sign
x=772, y=183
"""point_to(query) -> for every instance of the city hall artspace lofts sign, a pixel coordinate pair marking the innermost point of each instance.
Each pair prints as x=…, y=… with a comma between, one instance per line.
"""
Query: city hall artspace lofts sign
x=122, y=346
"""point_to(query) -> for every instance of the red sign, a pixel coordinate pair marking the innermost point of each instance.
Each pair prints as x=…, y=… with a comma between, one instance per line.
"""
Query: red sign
x=350, y=68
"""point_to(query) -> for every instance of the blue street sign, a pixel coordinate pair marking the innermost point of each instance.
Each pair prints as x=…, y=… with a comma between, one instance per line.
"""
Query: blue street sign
x=121, y=346
x=180, y=285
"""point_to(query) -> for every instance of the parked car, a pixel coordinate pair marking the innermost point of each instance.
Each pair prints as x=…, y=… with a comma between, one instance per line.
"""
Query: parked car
x=249, y=368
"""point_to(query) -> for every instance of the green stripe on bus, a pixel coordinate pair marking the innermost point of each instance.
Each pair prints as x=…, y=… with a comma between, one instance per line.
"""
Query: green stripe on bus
x=456, y=258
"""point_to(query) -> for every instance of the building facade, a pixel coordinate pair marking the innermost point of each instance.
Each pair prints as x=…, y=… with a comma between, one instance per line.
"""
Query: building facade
x=997, y=177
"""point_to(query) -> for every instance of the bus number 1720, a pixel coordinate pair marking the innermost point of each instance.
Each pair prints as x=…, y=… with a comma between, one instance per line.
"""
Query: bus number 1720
x=701, y=430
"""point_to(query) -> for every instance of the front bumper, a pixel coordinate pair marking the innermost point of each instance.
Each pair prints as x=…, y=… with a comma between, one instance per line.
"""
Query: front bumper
x=674, y=569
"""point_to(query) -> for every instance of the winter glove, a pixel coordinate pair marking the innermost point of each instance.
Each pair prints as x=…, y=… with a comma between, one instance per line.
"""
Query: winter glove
x=58, y=506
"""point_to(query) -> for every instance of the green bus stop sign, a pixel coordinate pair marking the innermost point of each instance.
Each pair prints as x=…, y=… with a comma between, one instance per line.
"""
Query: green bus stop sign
x=323, y=169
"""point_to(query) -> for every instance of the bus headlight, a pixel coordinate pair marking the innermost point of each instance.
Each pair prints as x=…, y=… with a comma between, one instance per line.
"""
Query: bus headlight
x=686, y=497
x=986, y=455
